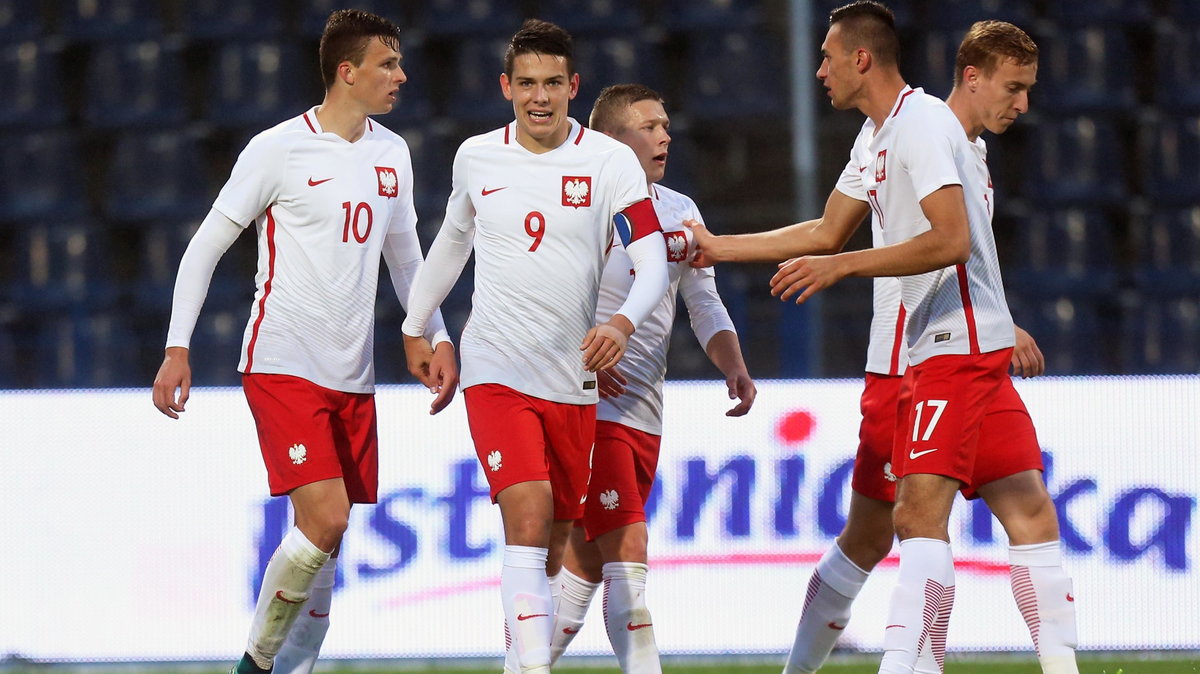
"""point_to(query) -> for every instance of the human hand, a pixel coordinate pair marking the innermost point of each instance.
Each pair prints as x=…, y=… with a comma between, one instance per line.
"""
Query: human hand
x=175, y=374
x=741, y=388
x=419, y=355
x=611, y=383
x=1027, y=358
x=806, y=275
x=443, y=370
x=604, y=344
x=706, y=244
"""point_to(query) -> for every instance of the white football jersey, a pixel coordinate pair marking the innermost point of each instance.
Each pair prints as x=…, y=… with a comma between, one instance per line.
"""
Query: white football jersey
x=645, y=361
x=322, y=207
x=920, y=148
x=887, y=352
x=542, y=227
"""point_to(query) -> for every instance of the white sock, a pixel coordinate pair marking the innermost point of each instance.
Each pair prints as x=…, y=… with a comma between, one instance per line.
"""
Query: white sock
x=286, y=583
x=831, y=590
x=303, y=644
x=1044, y=595
x=511, y=664
x=528, y=606
x=920, y=610
x=573, y=604
x=630, y=629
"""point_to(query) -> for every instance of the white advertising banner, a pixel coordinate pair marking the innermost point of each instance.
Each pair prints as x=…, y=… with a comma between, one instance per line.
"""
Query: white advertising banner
x=132, y=536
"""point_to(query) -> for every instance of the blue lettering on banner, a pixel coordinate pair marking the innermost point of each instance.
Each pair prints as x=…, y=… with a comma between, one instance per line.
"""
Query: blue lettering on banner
x=1144, y=523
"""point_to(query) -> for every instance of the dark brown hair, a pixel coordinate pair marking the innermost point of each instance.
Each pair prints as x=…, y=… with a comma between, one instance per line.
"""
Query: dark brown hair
x=347, y=34
x=540, y=37
x=869, y=25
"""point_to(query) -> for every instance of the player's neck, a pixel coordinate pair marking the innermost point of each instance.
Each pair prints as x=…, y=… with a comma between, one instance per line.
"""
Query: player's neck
x=880, y=97
x=957, y=100
x=551, y=142
x=341, y=118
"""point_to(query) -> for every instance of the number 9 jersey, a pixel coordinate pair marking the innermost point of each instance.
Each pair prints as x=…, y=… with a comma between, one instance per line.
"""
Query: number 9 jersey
x=322, y=207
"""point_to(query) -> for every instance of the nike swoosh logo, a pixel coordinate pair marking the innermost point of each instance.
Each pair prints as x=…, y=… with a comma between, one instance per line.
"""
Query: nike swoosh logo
x=314, y=183
x=891, y=626
x=1069, y=597
x=313, y=613
x=912, y=454
x=631, y=627
x=280, y=597
x=835, y=626
x=568, y=630
x=533, y=615
x=486, y=191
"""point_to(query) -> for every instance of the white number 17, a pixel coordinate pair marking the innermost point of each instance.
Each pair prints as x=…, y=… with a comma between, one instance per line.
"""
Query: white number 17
x=937, y=415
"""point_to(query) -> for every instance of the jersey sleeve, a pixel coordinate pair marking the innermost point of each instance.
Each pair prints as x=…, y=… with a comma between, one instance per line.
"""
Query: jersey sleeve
x=850, y=181
x=254, y=182
x=215, y=235
x=698, y=287
x=929, y=152
x=404, y=216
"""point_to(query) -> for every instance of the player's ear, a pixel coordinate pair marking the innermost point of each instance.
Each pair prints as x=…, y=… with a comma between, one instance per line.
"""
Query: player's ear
x=506, y=86
x=574, y=88
x=345, y=72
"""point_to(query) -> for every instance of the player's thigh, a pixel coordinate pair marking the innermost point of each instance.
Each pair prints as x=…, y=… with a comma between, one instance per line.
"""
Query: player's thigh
x=880, y=405
x=506, y=428
x=950, y=396
x=293, y=418
x=623, y=464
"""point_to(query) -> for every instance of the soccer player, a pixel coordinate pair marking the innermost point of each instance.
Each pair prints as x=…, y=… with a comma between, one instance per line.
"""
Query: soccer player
x=1005, y=471
x=541, y=200
x=330, y=191
x=629, y=416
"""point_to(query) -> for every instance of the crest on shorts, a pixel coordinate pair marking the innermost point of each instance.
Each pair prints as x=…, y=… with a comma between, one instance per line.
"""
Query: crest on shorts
x=887, y=472
x=676, y=246
x=610, y=499
x=881, y=166
x=494, y=460
x=298, y=453
x=577, y=191
x=388, y=182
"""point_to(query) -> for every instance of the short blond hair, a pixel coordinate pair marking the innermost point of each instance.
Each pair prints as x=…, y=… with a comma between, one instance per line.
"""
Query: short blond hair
x=987, y=44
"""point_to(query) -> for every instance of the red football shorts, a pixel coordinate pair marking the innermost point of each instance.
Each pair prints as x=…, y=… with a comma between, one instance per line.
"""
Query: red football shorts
x=966, y=421
x=520, y=438
x=309, y=433
x=623, y=465
x=880, y=405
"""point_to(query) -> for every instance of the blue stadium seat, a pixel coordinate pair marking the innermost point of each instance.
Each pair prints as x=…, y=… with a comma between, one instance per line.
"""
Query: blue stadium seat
x=478, y=17
x=41, y=175
x=216, y=347
x=135, y=84
x=62, y=265
x=688, y=15
x=259, y=84
x=432, y=150
x=1185, y=11
x=1085, y=70
x=932, y=61
x=95, y=349
x=156, y=175
x=1162, y=336
x=1167, y=245
x=1171, y=160
x=475, y=96
x=613, y=60
x=414, y=103
x=592, y=16
x=1064, y=252
x=228, y=19
x=35, y=90
x=1100, y=12
x=316, y=12
x=20, y=20
x=1076, y=159
x=1177, y=79
x=958, y=15
x=719, y=87
x=111, y=19
x=1068, y=332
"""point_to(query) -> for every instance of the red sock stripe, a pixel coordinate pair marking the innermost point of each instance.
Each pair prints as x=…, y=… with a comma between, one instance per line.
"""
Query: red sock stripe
x=937, y=636
x=607, y=583
x=507, y=638
x=814, y=585
x=1026, y=596
x=935, y=593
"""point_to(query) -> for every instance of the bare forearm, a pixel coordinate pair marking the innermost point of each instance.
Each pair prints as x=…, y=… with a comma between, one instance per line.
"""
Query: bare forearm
x=725, y=352
x=934, y=249
x=802, y=238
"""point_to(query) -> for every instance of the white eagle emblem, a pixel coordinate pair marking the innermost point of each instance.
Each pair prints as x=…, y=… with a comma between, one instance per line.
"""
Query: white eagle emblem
x=610, y=499
x=387, y=181
x=676, y=246
x=577, y=191
x=494, y=460
x=298, y=453
x=887, y=472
